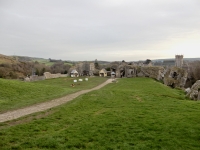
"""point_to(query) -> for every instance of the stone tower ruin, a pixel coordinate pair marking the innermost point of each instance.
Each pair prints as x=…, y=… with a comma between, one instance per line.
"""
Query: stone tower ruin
x=179, y=61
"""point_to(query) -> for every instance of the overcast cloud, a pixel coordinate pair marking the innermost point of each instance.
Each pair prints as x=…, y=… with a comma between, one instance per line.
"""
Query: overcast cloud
x=100, y=29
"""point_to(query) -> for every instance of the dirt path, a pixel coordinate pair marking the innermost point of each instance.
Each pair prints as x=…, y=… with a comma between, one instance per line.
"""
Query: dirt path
x=46, y=105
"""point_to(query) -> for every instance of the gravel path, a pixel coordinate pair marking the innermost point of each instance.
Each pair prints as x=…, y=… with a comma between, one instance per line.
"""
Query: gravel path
x=46, y=105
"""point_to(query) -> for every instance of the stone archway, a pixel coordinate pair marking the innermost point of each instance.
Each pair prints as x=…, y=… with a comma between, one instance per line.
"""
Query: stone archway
x=122, y=73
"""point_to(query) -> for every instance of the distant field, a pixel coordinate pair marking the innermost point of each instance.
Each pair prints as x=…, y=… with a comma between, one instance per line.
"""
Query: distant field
x=15, y=94
x=47, y=62
x=134, y=113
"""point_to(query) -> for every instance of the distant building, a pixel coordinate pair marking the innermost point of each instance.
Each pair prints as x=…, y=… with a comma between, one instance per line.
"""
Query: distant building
x=103, y=73
x=92, y=66
x=85, y=68
x=74, y=73
x=121, y=70
x=179, y=61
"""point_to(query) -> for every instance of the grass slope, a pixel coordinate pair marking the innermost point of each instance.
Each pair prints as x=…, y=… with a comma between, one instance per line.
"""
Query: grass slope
x=135, y=113
x=15, y=94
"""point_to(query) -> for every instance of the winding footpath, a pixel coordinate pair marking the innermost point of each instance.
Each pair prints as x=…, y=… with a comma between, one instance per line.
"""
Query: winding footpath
x=10, y=115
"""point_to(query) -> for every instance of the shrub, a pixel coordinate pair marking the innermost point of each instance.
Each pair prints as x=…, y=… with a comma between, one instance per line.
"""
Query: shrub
x=2, y=72
x=13, y=75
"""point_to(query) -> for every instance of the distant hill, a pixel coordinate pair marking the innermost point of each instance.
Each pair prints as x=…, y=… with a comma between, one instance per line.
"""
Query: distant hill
x=10, y=67
x=168, y=59
x=191, y=59
x=48, y=62
x=18, y=67
x=7, y=59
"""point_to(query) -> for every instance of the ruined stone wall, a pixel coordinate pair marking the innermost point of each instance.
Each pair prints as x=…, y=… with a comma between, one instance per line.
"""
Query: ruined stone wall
x=92, y=67
x=175, y=77
x=194, y=92
x=84, y=68
x=48, y=75
x=36, y=78
x=152, y=72
x=130, y=71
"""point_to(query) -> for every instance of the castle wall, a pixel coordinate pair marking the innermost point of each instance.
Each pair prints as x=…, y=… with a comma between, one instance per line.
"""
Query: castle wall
x=36, y=78
x=48, y=75
x=92, y=66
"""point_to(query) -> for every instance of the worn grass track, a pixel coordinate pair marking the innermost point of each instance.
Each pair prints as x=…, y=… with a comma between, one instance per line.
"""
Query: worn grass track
x=16, y=94
x=134, y=113
x=15, y=114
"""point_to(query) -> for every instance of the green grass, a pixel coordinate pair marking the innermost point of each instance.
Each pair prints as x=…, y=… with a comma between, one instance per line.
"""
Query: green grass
x=47, y=62
x=134, y=113
x=51, y=63
x=44, y=61
x=15, y=94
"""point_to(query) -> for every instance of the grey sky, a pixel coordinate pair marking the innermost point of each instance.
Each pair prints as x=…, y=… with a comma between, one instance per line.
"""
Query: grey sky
x=100, y=29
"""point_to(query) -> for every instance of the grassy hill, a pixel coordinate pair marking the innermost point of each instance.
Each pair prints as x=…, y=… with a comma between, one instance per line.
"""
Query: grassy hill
x=7, y=59
x=40, y=60
x=10, y=67
x=134, y=113
x=18, y=67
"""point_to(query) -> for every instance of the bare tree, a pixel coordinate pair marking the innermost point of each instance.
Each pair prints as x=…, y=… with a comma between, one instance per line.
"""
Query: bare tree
x=194, y=71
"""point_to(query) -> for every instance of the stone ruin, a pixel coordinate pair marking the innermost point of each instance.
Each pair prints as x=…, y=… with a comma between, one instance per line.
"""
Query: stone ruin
x=194, y=91
x=84, y=69
x=34, y=78
x=173, y=76
x=131, y=70
x=47, y=75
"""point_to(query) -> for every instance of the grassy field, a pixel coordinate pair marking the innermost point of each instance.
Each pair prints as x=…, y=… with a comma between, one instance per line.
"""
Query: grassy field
x=134, y=113
x=47, y=62
x=43, y=61
x=15, y=94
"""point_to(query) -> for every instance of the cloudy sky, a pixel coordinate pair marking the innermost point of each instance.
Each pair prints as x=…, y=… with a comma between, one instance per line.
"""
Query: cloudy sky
x=110, y=30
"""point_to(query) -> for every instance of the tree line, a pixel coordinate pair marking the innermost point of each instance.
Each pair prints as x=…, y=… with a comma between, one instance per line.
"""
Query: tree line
x=23, y=69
